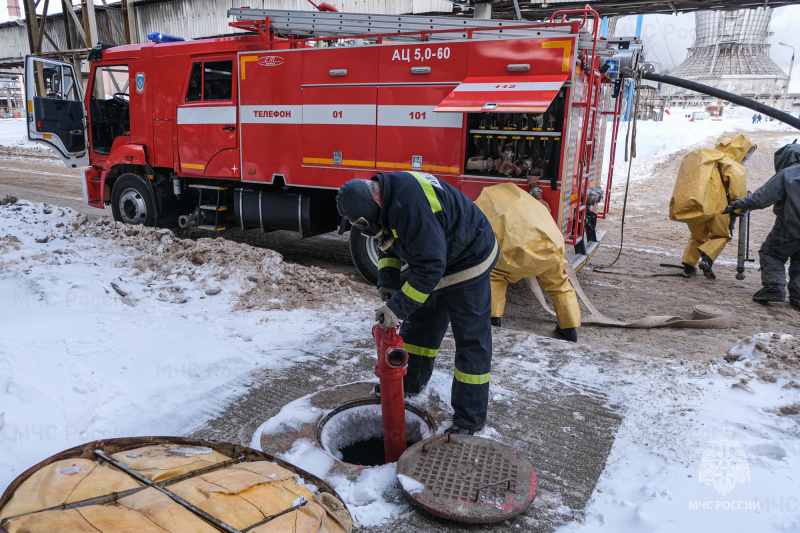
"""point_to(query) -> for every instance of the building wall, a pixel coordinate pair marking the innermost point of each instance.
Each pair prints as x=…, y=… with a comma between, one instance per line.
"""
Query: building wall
x=192, y=19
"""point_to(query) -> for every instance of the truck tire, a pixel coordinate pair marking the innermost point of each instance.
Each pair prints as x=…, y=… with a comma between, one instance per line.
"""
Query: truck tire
x=131, y=201
x=365, y=256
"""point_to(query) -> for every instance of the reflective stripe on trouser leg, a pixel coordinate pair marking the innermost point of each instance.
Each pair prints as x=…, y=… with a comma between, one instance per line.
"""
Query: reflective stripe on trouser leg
x=718, y=236
x=499, y=285
x=422, y=334
x=469, y=306
x=556, y=282
x=777, y=248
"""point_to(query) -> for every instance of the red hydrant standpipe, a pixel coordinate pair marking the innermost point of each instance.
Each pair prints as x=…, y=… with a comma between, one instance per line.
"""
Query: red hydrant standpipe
x=391, y=367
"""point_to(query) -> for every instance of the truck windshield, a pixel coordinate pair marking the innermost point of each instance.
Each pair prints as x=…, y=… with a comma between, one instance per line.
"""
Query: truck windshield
x=108, y=107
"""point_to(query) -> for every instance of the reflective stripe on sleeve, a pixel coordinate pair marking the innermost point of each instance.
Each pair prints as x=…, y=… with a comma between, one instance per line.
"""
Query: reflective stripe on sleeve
x=419, y=350
x=471, y=379
x=414, y=294
x=427, y=188
x=389, y=262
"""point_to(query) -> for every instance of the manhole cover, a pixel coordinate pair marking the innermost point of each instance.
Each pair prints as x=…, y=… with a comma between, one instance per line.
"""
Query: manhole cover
x=466, y=478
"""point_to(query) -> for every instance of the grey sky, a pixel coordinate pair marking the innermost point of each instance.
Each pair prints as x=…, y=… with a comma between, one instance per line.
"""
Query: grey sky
x=667, y=38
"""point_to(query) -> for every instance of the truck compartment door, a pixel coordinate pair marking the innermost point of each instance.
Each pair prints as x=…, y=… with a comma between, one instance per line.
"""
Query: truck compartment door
x=340, y=107
x=271, y=114
x=504, y=94
x=207, y=121
x=412, y=137
x=56, y=116
x=339, y=126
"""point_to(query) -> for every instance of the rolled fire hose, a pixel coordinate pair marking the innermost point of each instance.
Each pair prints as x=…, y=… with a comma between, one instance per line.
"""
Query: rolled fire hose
x=703, y=316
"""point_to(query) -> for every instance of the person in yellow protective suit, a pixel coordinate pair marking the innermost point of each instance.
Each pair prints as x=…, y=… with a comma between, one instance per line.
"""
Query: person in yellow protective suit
x=531, y=245
x=708, y=180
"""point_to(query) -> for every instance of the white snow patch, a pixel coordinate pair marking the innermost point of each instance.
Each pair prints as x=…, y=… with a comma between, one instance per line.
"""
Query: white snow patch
x=291, y=416
x=410, y=485
x=366, y=499
x=190, y=451
x=748, y=348
x=74, y=469
x=309, y=457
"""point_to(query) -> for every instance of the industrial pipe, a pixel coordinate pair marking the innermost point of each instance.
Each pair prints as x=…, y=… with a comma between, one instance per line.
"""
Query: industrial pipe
x=391, y=367
x=724, y=95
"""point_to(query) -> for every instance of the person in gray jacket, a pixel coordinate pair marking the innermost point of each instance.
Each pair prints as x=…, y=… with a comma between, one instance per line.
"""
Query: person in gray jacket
x=782, y=191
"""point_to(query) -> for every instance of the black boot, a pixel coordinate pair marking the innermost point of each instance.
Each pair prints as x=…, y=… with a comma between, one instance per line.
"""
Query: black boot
x=705, y=265
x=455, y=430
x=795, y=303
x=496, y=321
x=688, y=270
x=568, y=334
x=769, y=294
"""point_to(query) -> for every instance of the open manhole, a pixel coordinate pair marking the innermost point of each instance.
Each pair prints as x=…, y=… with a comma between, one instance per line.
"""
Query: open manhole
x=353, y=433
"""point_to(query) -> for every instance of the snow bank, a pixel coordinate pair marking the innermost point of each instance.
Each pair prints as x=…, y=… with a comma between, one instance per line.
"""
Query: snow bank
x=108, y=331
x=256, y=276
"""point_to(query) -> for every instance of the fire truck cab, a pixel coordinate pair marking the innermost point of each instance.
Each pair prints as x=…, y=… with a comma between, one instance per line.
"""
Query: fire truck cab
x=259, y=130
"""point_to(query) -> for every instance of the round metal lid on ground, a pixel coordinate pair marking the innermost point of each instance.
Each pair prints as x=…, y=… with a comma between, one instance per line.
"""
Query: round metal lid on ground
x=467, y=478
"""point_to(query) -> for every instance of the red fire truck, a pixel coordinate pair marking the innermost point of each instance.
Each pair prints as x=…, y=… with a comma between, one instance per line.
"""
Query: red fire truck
x=260, y=129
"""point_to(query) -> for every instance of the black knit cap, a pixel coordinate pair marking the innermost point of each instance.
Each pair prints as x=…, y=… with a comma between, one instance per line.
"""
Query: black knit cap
x=355, y=201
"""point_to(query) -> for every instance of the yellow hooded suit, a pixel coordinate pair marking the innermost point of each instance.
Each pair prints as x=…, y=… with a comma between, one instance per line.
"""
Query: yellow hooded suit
x=707, y=180
x=531, y=245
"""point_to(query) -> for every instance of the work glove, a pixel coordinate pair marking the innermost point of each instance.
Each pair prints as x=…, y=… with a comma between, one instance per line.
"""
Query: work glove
x=386, y=293
x=729, y=210
x=390, y=319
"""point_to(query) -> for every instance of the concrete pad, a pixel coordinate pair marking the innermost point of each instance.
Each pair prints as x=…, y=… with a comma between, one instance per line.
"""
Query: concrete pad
x=565, y=428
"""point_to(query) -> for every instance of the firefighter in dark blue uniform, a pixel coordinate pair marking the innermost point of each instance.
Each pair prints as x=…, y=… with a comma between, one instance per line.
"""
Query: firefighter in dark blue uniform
x=450, y=249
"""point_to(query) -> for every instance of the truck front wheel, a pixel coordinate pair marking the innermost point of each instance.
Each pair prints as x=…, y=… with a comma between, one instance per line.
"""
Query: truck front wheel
x=364, y=250
x=131, y=202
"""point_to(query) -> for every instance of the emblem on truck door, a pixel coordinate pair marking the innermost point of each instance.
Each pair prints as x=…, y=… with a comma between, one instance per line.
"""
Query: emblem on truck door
x=139, y=82
x=270, y=61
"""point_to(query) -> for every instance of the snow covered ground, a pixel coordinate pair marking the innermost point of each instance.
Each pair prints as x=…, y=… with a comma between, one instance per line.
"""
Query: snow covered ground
x=110, y=331
x=703, y=447
x=13, y=134
x=79, y=361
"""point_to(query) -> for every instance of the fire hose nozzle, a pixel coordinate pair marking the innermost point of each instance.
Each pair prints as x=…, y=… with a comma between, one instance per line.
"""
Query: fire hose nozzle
x=397, y=357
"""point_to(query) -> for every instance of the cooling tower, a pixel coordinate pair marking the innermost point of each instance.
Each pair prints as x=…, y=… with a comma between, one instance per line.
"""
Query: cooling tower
x=730, y=52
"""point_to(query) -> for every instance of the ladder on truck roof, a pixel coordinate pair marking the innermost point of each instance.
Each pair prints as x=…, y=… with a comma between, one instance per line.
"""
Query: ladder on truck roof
x=323, y=24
